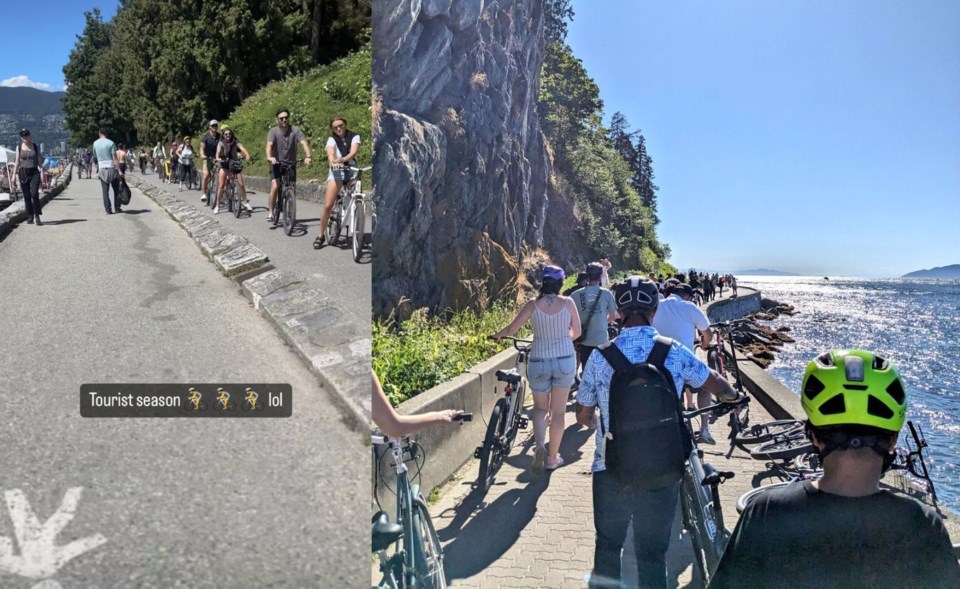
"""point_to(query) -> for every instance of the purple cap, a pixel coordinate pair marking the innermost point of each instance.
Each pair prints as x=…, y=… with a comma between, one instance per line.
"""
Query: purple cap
x=555, y=272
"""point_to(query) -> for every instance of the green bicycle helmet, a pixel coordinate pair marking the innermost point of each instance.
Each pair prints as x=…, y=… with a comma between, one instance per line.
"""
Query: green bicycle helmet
x=853, y=387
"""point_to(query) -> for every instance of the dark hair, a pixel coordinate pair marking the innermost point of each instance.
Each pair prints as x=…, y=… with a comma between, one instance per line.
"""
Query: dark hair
x=103, y=131
x=119, y=146
x=335, y=119
x=286, y=110
x=550, y=286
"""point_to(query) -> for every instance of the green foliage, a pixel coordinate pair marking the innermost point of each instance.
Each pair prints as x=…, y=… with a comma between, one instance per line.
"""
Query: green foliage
x=341, y=88
x=424, y=351
x=607, y=173
x=163, y=67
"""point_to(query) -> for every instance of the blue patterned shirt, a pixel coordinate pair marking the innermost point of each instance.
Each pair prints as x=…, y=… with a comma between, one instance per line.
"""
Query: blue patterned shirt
x=636, y=344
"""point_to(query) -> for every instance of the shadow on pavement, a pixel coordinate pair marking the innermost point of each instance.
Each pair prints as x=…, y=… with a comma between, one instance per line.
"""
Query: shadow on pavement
x=64, y=221
x=484, y=532
x=134, y=211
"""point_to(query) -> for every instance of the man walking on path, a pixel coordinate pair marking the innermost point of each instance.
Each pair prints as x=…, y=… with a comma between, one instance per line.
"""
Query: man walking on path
x=678, y=318
x=282, y=143
x=616, y=503
x=109, y=171
x=596, y=307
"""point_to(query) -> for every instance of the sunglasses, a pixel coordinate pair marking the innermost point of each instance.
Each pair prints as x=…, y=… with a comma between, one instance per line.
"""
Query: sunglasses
x=282, y=118
x=337, y=127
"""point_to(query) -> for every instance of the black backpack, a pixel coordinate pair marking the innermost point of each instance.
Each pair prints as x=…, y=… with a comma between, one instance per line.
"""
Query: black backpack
x=648, y=443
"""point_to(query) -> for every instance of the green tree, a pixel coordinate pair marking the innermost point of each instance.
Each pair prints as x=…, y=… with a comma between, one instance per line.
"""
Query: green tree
x=569, y=100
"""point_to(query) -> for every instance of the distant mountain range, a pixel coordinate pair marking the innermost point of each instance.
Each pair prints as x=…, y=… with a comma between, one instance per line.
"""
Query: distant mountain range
x=947, y=272
x=39, y=111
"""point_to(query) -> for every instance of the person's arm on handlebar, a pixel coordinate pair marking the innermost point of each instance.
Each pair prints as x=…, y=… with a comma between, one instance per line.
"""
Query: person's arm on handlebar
x=395, y=425
x=720, y=388
x=522, y=317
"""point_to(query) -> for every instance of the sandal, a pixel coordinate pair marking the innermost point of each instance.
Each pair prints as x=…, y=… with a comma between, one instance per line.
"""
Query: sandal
x=318, y=242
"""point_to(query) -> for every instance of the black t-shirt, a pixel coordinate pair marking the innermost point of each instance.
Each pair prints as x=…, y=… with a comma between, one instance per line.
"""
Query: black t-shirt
x=209, y=145
x=798, y=536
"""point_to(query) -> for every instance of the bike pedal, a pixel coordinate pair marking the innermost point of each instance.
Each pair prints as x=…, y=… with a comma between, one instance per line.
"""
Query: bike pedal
x=522, y=423
x=476, y=453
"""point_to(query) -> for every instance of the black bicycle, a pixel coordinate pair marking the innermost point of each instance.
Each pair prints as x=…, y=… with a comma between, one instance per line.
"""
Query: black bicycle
x=417, y=561
x=211, y=193
x=286, y=209
x=700, y=498
x=505, y=419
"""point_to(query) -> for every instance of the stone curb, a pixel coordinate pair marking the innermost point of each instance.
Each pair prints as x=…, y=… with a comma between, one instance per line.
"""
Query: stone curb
x=329, y=339
x=17, y=212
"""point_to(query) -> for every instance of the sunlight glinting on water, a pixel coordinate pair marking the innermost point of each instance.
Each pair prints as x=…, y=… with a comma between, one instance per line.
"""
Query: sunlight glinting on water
x=913, y=323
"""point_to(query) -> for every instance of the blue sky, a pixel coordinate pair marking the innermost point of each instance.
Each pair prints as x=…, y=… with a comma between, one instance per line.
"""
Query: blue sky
x=812, y=136
x=52, y=28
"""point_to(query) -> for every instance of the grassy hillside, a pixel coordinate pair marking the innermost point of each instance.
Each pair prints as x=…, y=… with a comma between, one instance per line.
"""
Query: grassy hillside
x=341, y=88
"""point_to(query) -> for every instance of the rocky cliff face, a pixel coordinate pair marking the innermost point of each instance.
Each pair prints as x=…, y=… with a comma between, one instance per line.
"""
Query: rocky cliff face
x=461, y=170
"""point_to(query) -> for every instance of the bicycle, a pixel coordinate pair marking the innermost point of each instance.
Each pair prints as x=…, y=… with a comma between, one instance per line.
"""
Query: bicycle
x=417, y=561
x=286, y=197
x=701, y=508
x=188, y=175
x=345, y=210
x=230, y=187
x=505, y=419
x=211, y=192
x=356, y=212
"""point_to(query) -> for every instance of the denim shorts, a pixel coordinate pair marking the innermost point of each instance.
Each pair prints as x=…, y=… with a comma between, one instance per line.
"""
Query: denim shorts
x=544, y=374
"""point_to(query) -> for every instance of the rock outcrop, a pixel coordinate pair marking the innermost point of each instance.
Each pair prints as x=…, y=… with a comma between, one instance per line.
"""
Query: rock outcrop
x=461, y=169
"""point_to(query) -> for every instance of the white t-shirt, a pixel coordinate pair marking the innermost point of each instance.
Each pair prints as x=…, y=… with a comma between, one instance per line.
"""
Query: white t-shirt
x=336, y=150
x=679, y=319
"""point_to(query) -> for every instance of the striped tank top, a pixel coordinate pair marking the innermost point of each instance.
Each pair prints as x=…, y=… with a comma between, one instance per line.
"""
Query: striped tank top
x=551, y=334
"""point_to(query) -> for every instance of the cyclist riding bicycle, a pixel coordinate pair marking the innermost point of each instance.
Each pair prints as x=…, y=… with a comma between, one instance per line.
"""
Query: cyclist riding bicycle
x=843, y=530
x=185, y=154
x=228, y=152
x=281, y=151
x=208, y=151
x=174, y=160
x=342, y=147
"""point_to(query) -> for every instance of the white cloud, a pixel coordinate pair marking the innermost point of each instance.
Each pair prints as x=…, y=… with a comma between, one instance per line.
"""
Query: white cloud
x=25, y=81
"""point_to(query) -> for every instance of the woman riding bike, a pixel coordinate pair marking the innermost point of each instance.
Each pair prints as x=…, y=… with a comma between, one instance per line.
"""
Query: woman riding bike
x=228, y=151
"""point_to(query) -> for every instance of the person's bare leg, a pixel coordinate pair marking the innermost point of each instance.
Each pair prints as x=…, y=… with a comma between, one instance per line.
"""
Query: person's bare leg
x=222, y=176
x=558, y=413
x=272, y=203
x=333, y=187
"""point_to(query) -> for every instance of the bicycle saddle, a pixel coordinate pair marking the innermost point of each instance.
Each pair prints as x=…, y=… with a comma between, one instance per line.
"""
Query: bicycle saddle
x=712, y=476
x=384, y=532
x=511, y=376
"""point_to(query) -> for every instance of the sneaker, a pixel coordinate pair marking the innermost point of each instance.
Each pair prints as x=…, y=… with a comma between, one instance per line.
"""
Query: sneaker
x=203, y=198
x=216, y=211
x=539, y=457
x=246, y=205
x=269, y=218
x=551, y=465
x=30, y=220
x=706, y=438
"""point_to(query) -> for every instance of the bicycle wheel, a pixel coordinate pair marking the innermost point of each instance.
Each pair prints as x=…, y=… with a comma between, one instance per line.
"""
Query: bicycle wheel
x=514, y=426
x=334, y=222
x=428, y=553
x=491, y=453
x=235, y=196
x=764, y=432
x=357, y=240
x=691, y=523
x=783, y=448
x=289, y=210
x=715, y=361
x=228, y=191
x=744, y=500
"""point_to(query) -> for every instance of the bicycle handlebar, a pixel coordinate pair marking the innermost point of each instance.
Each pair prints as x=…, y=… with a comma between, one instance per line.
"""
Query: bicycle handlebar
x=516, y=341
x=718, y=408
x=729, y=323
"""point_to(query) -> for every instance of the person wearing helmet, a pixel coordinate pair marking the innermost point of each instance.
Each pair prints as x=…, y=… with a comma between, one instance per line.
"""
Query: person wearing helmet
x=597, y=308
x=843, y=530
x=552, y=362
x=614, y=504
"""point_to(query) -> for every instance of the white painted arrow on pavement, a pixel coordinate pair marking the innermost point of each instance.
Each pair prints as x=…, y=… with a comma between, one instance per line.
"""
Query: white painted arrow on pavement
x=39, y=556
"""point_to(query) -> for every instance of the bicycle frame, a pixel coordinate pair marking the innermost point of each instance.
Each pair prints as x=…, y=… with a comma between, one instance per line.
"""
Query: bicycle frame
x=406, y=494
x=702, y=510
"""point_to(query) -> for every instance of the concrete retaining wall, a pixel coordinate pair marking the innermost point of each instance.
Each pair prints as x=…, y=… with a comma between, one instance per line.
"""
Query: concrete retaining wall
x=17, y=212
x=734, y=308
x=448, y=448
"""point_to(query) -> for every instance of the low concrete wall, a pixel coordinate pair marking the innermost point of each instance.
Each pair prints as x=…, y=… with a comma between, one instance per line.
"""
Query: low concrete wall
x=17, y=212
x=729, y=309
x=448, y=448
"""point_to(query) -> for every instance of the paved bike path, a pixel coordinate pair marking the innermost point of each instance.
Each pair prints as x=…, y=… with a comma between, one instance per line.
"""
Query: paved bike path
x=535, y=529
x=331, y=269
x=91, y=297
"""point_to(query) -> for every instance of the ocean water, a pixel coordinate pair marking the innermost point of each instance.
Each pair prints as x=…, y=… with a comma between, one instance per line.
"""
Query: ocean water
x=913, y=323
